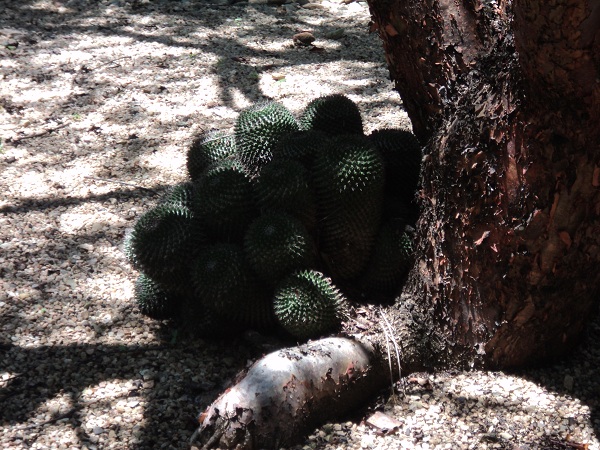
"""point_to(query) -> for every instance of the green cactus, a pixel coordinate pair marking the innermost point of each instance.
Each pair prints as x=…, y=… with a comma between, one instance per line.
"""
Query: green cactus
x=333, y=114
x=162, y=243
x=225, y=284
x=197, y=320
x=284, y=185
x=257, y=131
x=401, y=152
x=391, y=259
x=301, y=146
x=224, y=200
x=154, y=300
x=206, y=149
x=277, y=244
x=181, y=194
x=308, y=305
x=349, y=188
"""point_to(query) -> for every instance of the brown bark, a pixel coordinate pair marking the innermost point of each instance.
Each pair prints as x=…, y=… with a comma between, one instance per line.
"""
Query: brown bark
x=509, y=235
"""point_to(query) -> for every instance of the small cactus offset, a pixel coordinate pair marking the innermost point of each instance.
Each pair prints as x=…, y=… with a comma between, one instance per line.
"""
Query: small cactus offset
x=277, y=244
x=285, y=185
x=258, y=130
x=162, y=243
x=225, y=284
x=154, y=300
x=207, y=149
x=333, y=114
x=308, y=305
x=224, y=202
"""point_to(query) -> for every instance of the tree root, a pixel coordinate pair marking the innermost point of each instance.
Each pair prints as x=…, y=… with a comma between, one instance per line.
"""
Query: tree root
x=289, y=391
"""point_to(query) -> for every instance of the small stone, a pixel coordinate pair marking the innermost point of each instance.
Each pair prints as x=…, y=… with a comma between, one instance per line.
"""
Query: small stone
x=506, y=436
x=98, y=430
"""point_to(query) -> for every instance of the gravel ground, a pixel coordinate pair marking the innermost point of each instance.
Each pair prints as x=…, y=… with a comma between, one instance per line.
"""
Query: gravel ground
x=99, y=101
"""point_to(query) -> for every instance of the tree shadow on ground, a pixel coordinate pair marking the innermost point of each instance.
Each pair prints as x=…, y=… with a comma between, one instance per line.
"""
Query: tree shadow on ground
x=230, y=52
x=75, y=368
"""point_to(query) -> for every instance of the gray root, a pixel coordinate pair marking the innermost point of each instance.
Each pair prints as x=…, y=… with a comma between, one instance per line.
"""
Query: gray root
x=289, y=391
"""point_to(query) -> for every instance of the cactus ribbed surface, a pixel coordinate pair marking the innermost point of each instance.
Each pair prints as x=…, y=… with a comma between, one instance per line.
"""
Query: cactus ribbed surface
x=390, y=260
x=285, y=185
x=308, y=305
x=258, y=130
x=163, y=241
x=276, y=245
x=349, y=187
x=224, y=202
x=332, y=114
x=224, y=282
x=207, y=149
x=154, y=300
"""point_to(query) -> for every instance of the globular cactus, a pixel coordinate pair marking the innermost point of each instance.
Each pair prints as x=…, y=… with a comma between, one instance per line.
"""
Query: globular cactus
x=163, y=241
x=285, y=185
x=154, y=300
x=391, y=259
x=277, y=244
x=224, y=201
x=307, y=304
x=207, y=149
x=181, y=194
x=197, y=320
x=225, y=284
x=401, y=152
x=349, y=187
x=257, y=131
x=332, y=114
x=301, y=146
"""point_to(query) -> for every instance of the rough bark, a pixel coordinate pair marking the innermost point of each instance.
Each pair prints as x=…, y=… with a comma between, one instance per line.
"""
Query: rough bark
x=508, y=235
x=505, y=98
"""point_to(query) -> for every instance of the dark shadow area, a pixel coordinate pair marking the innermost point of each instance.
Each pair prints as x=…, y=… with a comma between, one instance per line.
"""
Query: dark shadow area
x=24, y=205
x=75, y=368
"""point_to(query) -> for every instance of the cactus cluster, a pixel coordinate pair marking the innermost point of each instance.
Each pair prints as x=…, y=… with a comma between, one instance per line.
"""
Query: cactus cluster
x=275, y=216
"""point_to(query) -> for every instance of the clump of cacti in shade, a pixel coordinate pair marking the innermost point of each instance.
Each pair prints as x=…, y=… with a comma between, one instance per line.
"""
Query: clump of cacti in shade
x=275, y=214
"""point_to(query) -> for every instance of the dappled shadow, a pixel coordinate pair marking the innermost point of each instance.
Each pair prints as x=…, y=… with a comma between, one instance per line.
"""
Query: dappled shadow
x=230, y=52
x=24, y=205
x=163, y=378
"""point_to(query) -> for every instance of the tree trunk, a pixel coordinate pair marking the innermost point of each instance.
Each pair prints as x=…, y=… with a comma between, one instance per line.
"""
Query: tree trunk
x=505, y=98
x=508, y=250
